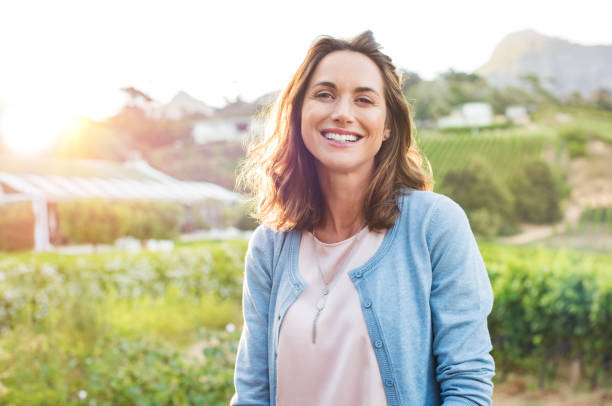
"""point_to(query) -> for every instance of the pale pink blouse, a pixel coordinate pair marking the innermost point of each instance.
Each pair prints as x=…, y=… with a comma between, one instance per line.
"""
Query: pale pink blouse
x=340, y=369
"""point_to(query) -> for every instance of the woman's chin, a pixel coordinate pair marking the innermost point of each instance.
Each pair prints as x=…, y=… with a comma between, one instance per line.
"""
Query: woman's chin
x=336, y=167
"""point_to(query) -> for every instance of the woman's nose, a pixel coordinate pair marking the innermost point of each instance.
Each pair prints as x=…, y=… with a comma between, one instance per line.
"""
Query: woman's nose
x=342, y=111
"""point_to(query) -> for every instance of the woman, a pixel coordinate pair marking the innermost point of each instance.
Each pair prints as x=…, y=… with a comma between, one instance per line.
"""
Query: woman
x=361, y=287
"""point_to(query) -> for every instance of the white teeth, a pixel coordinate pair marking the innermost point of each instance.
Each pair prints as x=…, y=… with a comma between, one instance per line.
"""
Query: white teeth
x=341, y=137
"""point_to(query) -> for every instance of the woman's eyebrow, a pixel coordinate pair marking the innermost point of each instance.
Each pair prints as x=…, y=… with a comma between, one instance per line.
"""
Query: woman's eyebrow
x=326, y=84
x=366, y=89
x=357, y=89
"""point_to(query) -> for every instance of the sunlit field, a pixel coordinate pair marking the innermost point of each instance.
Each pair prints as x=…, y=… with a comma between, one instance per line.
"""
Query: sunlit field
x=153, y=328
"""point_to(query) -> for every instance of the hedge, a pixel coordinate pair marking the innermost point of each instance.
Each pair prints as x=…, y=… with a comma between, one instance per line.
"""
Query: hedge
x=98, y=221
x=16, y=226
x=551, y=306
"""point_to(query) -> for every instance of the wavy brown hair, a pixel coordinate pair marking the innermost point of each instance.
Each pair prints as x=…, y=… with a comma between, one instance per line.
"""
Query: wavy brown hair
x=280, y=172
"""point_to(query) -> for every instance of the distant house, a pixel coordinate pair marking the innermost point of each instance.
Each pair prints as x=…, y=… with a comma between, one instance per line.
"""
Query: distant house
x=233, y=122
x=477, y=114
x=220, y=129
x=517, y=114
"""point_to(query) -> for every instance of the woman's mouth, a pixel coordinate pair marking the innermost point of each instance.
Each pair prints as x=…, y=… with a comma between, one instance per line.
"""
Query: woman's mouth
x=341, y=138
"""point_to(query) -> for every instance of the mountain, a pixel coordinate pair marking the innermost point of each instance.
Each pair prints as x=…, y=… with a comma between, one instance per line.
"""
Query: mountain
x=562, y=66
x=183, y=105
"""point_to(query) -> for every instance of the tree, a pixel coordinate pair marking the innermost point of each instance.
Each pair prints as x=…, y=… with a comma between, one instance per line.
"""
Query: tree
x=487, y=202
x=603, y=99
x=536, y=195
x=534, y=84
x=409, y=79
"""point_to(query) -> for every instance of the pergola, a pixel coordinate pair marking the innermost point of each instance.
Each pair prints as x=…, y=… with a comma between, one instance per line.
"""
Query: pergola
x=42, y=189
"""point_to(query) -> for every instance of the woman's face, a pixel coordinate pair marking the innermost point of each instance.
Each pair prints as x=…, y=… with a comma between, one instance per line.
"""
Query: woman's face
x=344, y=112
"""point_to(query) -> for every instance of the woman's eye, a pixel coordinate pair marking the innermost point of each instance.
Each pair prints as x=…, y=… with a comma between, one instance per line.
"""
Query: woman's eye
x=323, y=95
x=364, y=100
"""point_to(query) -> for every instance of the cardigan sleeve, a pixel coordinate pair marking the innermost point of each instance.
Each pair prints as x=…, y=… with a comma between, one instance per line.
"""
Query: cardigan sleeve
x=251, y=371
x=461, y=299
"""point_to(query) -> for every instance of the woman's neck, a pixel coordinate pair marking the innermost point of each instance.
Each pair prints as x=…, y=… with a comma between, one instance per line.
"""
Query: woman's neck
x=344, y=195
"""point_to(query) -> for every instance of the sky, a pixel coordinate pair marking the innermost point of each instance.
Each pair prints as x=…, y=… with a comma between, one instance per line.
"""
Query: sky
x=72, y=57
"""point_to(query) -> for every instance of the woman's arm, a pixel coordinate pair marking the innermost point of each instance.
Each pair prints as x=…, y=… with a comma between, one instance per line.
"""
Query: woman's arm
x=461, y=299
x=251, y=373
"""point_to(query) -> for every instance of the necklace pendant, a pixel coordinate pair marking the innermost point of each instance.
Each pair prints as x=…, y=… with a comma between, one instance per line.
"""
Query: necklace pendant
x=321, y=303
x=325, y=290
x=314, y=327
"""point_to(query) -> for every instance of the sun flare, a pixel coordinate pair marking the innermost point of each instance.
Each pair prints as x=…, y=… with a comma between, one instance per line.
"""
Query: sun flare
x=30, y=130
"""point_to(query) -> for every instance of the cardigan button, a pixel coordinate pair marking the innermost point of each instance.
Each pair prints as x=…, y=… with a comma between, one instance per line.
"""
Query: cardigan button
x=389, y=382
x=367, y=304
x=358, y=274
x=378, y=344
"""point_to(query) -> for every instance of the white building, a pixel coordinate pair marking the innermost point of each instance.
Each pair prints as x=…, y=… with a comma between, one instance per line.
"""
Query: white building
x=517, y=114
x=477, y=114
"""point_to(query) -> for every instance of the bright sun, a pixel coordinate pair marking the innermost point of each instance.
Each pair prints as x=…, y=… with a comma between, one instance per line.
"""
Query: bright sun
x=26, y=130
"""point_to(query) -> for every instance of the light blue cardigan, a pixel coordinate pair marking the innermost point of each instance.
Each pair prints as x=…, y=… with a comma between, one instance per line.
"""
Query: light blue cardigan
x=425, y=296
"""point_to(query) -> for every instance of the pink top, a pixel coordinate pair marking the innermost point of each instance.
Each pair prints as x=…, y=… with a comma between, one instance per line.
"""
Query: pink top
x=340, y=368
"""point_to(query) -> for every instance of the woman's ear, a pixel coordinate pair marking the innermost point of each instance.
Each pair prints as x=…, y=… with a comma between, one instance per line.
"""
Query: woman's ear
x=386, y=134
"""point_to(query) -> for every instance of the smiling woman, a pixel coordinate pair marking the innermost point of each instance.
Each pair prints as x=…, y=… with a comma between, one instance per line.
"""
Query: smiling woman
x=361, y=287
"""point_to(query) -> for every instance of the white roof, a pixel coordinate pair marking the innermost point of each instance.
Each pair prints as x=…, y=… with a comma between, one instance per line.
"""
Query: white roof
x=57, y=188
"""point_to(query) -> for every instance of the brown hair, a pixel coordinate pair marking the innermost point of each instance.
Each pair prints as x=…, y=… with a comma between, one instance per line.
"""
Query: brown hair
x=280, y=171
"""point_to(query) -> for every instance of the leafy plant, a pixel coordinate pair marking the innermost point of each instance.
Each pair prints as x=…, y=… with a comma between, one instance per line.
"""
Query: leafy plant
x=536, y=197
x=487, y=202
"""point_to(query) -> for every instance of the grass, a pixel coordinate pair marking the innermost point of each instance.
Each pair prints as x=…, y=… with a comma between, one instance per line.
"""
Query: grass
x=173, y=318
x=595, y=123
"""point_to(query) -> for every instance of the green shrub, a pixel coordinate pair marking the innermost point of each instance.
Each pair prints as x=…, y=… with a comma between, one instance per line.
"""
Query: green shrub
x=246, y=222
x=239, y=217
x=16, y=226
x=485, y=223
x=34, y=286
x=101, y=222
x=487, y=203
x=116, y=371
x=550, y=305
x=158, y=220
x=536, y=195
x=114, y=325
x=576, y=142
x=598, y=218
x=89, y=221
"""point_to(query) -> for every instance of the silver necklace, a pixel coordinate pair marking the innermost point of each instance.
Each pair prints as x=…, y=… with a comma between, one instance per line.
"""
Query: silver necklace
x=325, y=291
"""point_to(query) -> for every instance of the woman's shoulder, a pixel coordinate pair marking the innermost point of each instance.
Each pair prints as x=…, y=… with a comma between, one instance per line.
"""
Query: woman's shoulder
x=267, y=241
x=424, y=200
x=265, y=235
x=430, y=207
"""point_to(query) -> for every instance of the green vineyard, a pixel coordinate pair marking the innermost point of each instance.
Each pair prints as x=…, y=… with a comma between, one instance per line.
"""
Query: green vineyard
x=504, y=150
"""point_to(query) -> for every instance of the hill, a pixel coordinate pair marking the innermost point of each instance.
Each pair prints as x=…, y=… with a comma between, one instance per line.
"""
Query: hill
x=562, y=66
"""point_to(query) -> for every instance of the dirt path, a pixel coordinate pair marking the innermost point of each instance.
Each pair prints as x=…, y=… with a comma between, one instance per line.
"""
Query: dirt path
x=516, y=393
x=548, y=398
